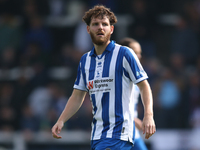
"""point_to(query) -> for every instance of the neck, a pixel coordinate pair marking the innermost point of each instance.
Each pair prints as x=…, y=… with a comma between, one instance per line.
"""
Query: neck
x=99, y=49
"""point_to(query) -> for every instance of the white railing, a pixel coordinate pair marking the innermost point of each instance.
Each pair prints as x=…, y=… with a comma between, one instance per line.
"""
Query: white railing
x=19, y=140
x=161, y=140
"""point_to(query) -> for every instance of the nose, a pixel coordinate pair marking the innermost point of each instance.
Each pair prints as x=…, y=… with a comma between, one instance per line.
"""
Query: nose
x=100, y=26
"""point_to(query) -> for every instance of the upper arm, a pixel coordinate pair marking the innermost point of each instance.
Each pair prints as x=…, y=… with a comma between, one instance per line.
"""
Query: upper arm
x=78, y=94
x=143, y=84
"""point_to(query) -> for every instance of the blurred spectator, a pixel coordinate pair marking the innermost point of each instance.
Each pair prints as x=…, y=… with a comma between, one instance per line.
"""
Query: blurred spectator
x=59, y=98
x=57, y=7
x=57, y=104
x=69, y=56
x=193, y=89
x=29, y=123
x=197, y=6
x=40, y=101
x=195, y=118
x=31, y=8
x=34, y=65
x=10, y=32
x=22, y=90
x=33, y=54
x=9, y=114
x=8, y=59
x=82, y=40
x=41, y=77
x=185, y=41
x=153, y=67
x=168, y=99
x=179, y=69
x=8, y=119
x=7, y=95
x=37, y=32
x=143, y=26
x=193, y=98
x=190, y=11
x=177, y=64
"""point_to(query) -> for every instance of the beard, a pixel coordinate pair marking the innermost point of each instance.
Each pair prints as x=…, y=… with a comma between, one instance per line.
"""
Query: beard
x=100, y=41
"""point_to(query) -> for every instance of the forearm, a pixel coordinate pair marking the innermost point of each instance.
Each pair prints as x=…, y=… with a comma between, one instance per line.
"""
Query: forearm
x=146, y=96
x=148, y=124
x=72, y=106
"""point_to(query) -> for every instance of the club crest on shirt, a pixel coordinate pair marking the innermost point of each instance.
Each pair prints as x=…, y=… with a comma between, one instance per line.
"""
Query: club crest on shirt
x=99, y=69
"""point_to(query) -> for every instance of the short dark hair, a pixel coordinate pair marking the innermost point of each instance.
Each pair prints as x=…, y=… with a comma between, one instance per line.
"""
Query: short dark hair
x=99, y=10
x=126, y=41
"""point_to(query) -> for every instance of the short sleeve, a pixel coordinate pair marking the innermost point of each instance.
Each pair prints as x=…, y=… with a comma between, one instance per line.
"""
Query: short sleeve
x=80, y=83
x=133, y=66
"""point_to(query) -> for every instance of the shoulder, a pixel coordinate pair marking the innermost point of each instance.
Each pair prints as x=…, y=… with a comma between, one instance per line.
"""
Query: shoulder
x=84, y=56
x=126, y=51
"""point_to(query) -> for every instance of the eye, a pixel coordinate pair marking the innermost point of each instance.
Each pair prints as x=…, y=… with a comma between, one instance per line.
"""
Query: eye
x=95, y=24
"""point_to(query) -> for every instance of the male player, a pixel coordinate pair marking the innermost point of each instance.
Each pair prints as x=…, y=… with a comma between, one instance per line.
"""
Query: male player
x=108, y=72
x=135, y=46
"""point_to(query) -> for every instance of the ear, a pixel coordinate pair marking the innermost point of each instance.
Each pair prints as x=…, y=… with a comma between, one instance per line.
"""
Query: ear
x=112, y=29
x=88, y=29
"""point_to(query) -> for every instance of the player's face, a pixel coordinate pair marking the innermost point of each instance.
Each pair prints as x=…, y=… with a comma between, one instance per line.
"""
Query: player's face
x=100, y=30
x=137, y=49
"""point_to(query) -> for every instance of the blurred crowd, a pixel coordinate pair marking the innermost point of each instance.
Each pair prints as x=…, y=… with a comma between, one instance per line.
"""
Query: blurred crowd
x=41, y=42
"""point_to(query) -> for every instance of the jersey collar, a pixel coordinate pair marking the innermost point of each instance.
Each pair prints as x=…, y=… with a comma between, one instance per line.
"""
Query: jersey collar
x=109, y=48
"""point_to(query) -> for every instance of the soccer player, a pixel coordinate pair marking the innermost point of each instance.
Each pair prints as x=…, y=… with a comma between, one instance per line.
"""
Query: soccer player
x=108, y=73
x=135, y=46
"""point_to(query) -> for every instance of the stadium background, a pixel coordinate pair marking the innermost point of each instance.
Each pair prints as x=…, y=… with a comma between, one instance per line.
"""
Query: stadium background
x=41, y=42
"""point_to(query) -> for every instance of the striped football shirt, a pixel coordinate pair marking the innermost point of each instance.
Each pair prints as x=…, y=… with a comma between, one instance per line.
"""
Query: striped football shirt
x=109, y=79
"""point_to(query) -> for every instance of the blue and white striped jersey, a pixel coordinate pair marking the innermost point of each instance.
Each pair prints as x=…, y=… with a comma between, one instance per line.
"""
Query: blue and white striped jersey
x=109, y=79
